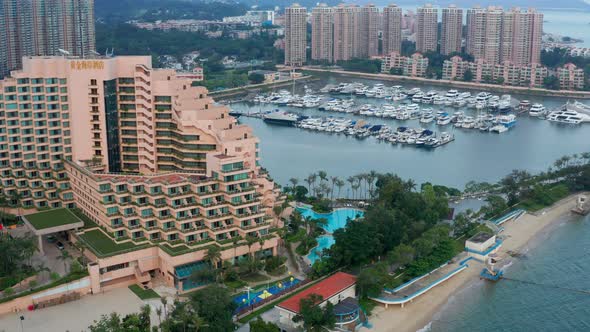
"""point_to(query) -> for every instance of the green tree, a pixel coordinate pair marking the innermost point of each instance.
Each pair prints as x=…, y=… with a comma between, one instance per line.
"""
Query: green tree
x=371, y=280
x=215, y=305
x=256, y=78
x=213, y=255
x=402, y=254
x=551, y=82
x=135, y=322
x=314, y=317
x=183, y=318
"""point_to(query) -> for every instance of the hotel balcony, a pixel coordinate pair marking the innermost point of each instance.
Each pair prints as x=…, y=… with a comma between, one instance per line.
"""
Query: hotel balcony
x=249, y=215
x=256, y=226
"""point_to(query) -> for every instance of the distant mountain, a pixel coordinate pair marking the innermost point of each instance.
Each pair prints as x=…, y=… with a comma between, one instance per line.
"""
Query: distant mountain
x=151, y=10
x=540, y=4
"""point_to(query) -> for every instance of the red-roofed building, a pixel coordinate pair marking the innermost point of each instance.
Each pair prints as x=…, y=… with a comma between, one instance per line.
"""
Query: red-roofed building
x=339, y=289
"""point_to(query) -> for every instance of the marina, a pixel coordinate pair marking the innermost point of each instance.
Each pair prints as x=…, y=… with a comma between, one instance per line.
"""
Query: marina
x=531, y=144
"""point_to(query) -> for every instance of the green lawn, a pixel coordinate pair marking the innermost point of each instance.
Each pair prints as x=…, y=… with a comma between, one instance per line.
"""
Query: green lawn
x=144, y=294
x=103, y=246
x=175, y=251
x=88, y=223
x=52, y=218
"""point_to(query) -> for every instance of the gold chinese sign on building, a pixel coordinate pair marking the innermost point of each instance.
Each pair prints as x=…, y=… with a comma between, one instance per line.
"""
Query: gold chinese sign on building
x=87, y=65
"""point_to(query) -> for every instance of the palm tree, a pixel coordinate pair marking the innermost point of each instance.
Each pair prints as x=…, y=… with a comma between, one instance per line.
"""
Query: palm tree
x=309, y=180
x=351, y=180
x=361, y=178
x=159, y=314
x=314, y=178
x=294, y=182
x=355, y=187
x=307, y=221
x=339, y=184
x=372, y=176
x=65, y=257
x=235, y=240
x=334, y=180
x=410, y=185
x=16, y=196
x=261, y=243
x=323, y=176
x=3, y=203
x=322, y=189
x=213, y=255
x=165, y=306
x=250, y=240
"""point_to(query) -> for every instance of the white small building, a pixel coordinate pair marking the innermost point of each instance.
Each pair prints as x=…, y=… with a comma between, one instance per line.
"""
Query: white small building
x=481, y=245
x=338, y=289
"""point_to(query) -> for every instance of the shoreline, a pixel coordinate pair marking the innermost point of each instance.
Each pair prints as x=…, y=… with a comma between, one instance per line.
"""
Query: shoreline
x=458, y=84
x=523, y=234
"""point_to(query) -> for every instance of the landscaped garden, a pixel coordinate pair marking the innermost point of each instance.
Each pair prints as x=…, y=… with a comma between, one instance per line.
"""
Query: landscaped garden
x=103, y=246
x=52, y=218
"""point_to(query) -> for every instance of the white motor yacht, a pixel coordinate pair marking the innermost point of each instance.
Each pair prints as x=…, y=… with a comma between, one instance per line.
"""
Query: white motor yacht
x=537, y=110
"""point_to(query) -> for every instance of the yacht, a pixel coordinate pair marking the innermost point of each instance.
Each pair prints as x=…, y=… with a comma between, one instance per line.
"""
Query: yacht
x=427, y=117
x=439, y=100
x=507, y=120
x=443, y=120
x=281, y=118
x=483, y=97
x=498, y=129
x=524, y=105
x=468, y=122
x=413, y=91
x=567, y=117
x=417, y=97
x=452, y=94
x=412, y=107
x=429, y=97
x=537, y=110
x=464, y=95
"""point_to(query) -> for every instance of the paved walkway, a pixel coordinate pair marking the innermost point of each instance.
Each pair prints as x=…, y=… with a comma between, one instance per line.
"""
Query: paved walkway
x=77, y=315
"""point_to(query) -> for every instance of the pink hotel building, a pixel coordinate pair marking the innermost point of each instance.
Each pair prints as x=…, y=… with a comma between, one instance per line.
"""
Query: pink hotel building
x=161, y=169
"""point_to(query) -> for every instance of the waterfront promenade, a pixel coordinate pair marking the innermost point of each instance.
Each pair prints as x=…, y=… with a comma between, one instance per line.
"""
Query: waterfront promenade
x=519, y=235
x=455, y=84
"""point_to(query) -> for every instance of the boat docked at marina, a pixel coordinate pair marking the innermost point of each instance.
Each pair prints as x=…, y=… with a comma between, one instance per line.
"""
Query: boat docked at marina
x=568, y=117
x=537, y=110
x=281, y=118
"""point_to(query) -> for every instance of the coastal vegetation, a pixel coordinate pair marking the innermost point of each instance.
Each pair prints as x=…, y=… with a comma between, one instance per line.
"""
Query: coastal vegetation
x=402, y=234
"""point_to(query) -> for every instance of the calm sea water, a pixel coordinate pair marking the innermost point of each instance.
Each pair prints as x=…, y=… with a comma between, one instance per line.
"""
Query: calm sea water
x=559, y=258
x=532, y=145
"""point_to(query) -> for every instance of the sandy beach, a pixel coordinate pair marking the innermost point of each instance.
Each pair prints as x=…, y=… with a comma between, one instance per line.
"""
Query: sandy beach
x=518, y=236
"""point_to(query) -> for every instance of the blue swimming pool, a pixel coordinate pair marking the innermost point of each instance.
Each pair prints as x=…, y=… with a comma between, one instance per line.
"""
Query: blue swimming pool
x=324, y=242
x=336, y=219
x=255, y=295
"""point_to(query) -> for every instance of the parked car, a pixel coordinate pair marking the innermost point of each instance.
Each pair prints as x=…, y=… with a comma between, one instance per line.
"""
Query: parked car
x=59, y=245
x=51, y=239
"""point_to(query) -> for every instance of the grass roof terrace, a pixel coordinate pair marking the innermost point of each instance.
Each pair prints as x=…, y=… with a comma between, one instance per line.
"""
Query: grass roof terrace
x=54, y=218
x=104, y=246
